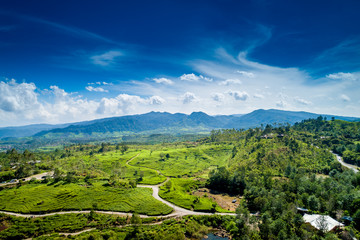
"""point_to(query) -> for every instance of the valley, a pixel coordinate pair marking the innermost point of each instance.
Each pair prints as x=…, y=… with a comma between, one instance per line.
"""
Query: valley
x=134, y=190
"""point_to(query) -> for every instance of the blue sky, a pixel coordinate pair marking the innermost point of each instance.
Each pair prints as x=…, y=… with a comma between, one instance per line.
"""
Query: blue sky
x=66, y=61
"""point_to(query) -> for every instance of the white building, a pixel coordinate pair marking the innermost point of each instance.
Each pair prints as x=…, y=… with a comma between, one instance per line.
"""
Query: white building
x=322, y=222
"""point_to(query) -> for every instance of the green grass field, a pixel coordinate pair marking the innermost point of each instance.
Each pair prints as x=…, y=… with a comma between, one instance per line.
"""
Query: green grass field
x=34, y=198
x=183, y=161
x=177, y=191
x=104, y=165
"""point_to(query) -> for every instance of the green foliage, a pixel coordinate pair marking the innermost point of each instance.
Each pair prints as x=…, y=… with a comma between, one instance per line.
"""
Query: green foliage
x=178, y=192
x=184, y=160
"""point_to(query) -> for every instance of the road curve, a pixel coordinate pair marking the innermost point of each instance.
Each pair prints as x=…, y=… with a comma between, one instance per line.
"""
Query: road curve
x=178, y=211
x=340, y=160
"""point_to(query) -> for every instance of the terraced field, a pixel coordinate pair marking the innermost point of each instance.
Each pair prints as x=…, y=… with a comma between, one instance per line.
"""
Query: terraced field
x=35, y=198
x=174, y=162
x=177, y=191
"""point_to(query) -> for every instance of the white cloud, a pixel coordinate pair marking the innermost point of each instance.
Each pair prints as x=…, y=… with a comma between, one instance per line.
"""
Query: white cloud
x=246, y=74
x=194, y=78
x=258, y=96
x=218, y=97
x=124, y=103
x=165, y=81
x=20, y=104
x=238, y=95
x=15, y=97
x=230, y=81
x=100, y=83
x=206, y=78
x=95, y=89
x=156, y=100
x=302, y=101
x=341, y=76
x=345, y=98
x=188, y=97
x=106, y=58
x=58, y=92
x=189, y=77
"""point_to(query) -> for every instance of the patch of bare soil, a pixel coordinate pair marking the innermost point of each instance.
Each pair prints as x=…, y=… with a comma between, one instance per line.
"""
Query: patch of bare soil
x=222, y=199
x=3, y=227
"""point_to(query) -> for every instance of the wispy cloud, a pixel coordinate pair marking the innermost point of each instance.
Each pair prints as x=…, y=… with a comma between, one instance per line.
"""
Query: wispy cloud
x=345, y=98
x=344, y=56
x=194, y=78
x=230, y=81
x=107, y=58
x=100, y=83
x=258, y=96
x=71, y=30
x=163, y=81
x=341, y=76
x=246, y=74
x=95, y=89
x=302, y=101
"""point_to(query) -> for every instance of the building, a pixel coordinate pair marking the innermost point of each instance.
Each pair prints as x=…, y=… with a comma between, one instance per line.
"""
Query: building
x=322, y=222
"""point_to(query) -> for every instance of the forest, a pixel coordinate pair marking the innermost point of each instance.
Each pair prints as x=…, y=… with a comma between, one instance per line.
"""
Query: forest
x=267, y=172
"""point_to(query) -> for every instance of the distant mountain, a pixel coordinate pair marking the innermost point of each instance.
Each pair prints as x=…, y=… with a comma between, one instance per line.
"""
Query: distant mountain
x=163, y=122
x=29, y=130
x=271, y=116
x=157, y=122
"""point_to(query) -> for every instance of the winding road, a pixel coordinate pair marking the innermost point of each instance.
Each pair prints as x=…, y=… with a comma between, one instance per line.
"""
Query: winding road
x=177, y=211
x=340, y=160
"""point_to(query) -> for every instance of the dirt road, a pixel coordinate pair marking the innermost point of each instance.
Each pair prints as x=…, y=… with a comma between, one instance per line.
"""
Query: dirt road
x=37, y=177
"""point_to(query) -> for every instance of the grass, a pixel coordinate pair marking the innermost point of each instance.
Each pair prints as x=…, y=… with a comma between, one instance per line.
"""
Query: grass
x=42, y=227
x=35, y=198
x=20, y=228
x=104, y=164
x=178, y=191
x=183, y=160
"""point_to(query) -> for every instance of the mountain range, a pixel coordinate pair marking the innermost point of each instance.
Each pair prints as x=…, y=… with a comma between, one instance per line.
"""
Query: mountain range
x=164, y=122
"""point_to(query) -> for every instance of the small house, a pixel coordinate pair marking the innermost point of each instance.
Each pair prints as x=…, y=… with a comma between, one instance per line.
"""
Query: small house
x=322, y=222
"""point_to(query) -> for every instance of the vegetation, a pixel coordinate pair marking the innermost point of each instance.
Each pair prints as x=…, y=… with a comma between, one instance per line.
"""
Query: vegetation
x=60, y=196
x=274, y=169
x=178, y=191
x=184, y=160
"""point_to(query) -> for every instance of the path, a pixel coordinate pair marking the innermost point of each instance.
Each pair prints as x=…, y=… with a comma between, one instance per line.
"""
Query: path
x=92, y=229
x=178, y=211
x=37, y=177
x=128, y=163
x=354, y=168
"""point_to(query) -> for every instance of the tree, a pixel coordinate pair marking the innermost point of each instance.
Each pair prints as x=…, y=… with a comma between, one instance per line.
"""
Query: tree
x=322, y=224
x=58, y=174
x=124, y=148
x=314, y=203
x=234, y=152
x=356, y=218
x=135, y=219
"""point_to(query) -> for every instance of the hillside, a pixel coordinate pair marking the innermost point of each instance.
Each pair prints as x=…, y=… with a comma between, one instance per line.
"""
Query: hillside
x=181, y=123
x=161, y=122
